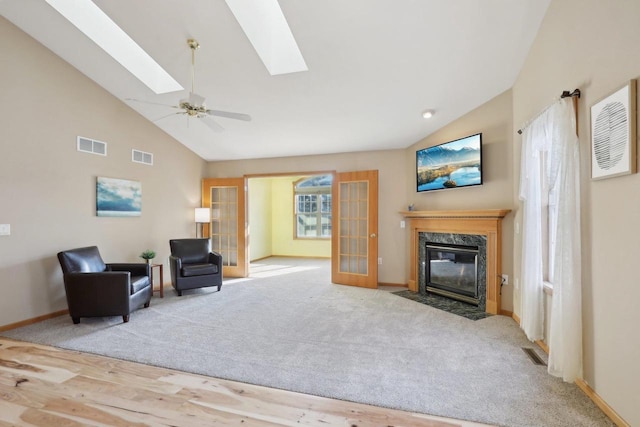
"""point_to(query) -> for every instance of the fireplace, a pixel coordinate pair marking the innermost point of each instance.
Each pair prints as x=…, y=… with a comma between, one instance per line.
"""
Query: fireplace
x=481, y=228
x=452, y=271
x=453, y=265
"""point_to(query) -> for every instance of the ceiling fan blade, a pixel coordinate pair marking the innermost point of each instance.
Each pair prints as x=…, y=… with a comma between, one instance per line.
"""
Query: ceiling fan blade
x=168, y=115
x=212, y=124
x=152, y=103
x=230, y=115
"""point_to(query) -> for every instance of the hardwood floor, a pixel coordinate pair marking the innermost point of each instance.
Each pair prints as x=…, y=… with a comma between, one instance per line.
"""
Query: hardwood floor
x=46, y=386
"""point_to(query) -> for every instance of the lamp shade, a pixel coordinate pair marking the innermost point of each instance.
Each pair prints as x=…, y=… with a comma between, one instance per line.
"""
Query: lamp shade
x=203, y=215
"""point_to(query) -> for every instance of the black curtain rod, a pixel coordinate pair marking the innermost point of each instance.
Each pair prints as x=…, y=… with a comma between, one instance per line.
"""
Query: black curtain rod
x=565, y=94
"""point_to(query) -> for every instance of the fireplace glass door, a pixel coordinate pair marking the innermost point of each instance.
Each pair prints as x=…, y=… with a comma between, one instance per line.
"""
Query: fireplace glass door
x=452, y=271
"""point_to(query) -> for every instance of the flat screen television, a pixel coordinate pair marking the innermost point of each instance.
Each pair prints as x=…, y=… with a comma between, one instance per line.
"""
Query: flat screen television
x=453, y=164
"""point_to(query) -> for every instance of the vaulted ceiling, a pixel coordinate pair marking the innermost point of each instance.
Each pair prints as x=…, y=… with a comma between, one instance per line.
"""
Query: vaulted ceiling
x=374, y=66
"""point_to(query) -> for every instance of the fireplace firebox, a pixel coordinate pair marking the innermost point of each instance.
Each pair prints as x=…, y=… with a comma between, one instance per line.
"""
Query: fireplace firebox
x=454, y=251
x=452, y=271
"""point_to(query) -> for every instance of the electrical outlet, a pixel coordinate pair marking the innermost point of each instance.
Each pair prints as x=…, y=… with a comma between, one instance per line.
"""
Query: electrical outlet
x=5, y=229
x=402, y=224
x=505, y=279
x=380, y=261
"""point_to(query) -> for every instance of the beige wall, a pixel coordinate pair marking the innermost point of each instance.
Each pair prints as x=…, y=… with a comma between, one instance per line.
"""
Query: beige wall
x=593, y=45
x=48, y=188
x=392, y=243
x=494, y=120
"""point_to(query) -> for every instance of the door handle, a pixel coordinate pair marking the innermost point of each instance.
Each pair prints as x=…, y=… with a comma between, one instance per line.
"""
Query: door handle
x=373, y=235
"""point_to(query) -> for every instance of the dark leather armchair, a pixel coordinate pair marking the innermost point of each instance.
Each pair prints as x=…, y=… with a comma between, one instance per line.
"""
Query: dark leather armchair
x=96, y=289
x=194, y=265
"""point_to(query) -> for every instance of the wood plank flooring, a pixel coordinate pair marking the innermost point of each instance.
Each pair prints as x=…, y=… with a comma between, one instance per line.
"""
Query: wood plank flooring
x=45, y=386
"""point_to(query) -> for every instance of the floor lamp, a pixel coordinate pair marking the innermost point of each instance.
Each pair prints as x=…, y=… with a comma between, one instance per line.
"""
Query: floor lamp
x=202, y=216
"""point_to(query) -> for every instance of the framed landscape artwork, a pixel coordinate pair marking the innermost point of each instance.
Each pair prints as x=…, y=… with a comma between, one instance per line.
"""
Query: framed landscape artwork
x=613, y=134
x=118, y=197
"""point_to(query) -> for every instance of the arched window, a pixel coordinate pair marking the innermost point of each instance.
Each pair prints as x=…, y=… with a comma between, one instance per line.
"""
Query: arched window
x=313, y=207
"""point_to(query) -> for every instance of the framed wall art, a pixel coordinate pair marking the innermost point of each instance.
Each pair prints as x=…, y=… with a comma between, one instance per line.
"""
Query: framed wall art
x=118, y=197
x=613, y=134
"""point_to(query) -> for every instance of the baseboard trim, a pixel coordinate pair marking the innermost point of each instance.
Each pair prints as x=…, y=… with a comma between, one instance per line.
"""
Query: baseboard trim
x=506, y=313
x=515, y=317
x=608, y=410
x=543, y=345
x=33, y=320
x=294, y=256
x=396, y=285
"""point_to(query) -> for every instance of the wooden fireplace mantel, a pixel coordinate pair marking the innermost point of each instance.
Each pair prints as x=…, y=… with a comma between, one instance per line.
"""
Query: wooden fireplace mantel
x=486, y=222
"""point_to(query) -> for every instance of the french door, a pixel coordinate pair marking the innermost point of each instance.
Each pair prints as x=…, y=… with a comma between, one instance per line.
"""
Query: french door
x=354, y=235
x=226, y=197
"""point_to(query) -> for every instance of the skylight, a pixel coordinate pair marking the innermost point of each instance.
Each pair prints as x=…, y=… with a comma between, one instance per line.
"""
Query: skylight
x=96, y=25
x=268, y=31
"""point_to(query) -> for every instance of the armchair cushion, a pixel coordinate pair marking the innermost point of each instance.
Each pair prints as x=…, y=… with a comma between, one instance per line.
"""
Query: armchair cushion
x=82, y=260
x=138, y=283
x=191, y=251
x=198, y=269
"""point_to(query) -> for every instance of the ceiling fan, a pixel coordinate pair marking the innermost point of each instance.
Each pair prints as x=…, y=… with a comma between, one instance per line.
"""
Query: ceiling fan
x=194, y=106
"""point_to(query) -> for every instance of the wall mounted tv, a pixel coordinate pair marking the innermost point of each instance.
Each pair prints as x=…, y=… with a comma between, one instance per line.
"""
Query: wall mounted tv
x=453, y=164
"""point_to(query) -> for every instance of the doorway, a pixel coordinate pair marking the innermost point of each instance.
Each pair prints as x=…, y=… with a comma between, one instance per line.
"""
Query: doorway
x=310, y=221
x=290, y=216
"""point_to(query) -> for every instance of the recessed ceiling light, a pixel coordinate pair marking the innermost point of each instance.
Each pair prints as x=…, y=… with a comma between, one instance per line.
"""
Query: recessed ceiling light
x=268, y=31
x=428, y=114
x=96, y=25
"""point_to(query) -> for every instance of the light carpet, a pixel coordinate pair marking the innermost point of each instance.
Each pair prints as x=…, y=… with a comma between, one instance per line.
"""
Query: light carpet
x=288, y=327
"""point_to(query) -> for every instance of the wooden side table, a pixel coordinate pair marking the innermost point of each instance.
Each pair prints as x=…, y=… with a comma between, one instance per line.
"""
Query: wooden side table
x=160, y=266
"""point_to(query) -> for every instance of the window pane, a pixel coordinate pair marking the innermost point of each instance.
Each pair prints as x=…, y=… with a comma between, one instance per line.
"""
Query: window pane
x=312, y=201
x=362, y=265
x=344, y=264
x=307, y=225
x=326, y=226
x=326, y=203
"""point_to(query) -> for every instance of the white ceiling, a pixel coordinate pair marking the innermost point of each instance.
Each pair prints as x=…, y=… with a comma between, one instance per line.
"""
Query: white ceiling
x=374, y=67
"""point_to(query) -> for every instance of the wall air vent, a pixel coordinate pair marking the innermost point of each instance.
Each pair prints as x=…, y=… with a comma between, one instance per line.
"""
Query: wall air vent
x=88, y=145
x=141, y=157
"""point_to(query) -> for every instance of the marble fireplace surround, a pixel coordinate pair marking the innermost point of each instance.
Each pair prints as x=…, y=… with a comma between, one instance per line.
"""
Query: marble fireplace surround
x=486, y=223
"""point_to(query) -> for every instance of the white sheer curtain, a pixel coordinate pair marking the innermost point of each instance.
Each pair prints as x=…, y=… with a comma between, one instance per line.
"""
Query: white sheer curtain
x=550, y=153
x=536, y=139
